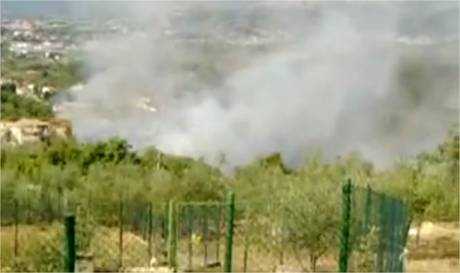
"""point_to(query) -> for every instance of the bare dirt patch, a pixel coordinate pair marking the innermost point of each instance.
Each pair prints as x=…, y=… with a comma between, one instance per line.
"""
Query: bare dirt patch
x=437, y=249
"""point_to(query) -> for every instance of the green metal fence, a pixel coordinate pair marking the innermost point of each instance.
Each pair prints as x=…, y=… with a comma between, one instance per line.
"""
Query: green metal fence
x=369, y=230
x=128, y=235
x=200, y=235
x=373, y=231
x=32, y=239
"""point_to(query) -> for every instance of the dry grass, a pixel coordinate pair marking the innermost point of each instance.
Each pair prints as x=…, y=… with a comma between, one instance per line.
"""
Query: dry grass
x=433, y=265
x=106, y=250
x=438, y=248
x=105, y=247
x=437, y=251
x=38, y=248
x=260, y=259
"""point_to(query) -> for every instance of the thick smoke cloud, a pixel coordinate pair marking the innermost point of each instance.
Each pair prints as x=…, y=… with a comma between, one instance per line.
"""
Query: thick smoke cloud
x=240, y=81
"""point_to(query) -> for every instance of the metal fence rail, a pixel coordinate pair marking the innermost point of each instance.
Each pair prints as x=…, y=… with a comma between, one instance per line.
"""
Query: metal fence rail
x=25, y=232
x=373, y=231
x=123, y=235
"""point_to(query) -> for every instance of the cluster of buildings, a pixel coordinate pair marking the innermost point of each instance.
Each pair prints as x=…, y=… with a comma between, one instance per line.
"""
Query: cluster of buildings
x=45, y=39
x=22, y=88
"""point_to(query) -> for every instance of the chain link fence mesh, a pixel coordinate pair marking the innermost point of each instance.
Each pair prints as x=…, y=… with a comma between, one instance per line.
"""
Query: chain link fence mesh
x=123, y=235
x=32, y=238
x=201, y=236
x=379, y=226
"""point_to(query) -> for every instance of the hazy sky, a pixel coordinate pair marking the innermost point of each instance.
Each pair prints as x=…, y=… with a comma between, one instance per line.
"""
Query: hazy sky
x=64, y=9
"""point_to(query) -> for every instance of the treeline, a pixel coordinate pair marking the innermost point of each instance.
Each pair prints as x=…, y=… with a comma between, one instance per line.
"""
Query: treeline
x=276, y=207
x=106, y=170
x=48, y=172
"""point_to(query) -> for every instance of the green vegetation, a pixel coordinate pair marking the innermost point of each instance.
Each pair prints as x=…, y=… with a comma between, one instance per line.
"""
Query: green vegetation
x=14, y=106
x=32, y=240
x=43, y=72
x=106, y=169
x=428, y=183
x=48, y=178
x=35, y=72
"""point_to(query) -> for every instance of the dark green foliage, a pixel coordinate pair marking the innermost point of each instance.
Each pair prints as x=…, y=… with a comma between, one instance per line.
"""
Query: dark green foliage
x=114, y=150
x=99, y=172
x=274, y=162
x=14, y=106
x=61, y=75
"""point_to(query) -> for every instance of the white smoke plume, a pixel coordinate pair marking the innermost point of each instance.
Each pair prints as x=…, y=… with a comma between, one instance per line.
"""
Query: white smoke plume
x=244, y=80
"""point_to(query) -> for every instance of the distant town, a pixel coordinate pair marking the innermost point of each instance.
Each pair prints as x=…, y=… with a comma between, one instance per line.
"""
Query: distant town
x=46, y=43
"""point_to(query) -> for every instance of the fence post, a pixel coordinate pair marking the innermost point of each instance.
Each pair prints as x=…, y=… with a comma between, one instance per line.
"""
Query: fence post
x=392, y=247
x=383, y=208
x=190, y=216
x=205, y=235
x=70, y=239
x=218, y=233
x=172, y=236
x=345, y=226
x=230, y=222
x=16, y=230
x=120, y=234
x=280, y=227
x=245, y=256
x=177, y=228
x=367, y=209
x=164, y=230
x=150, y=231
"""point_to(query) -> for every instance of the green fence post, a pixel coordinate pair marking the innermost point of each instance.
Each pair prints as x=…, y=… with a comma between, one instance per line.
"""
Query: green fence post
x=383, y=244
x=164, y=230
x=177, y=229
x=16, y=230
x=345, y=226
x=392, y=255
x=367, y=209
x=205, y=235
x=70, y=239
x=150, y=231
x=230, y=222
x=218, y=232
x=190, y=216
x=120, y=234
x=172, y=236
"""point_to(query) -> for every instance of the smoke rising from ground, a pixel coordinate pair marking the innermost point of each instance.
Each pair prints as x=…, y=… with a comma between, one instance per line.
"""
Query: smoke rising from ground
x=240, y=81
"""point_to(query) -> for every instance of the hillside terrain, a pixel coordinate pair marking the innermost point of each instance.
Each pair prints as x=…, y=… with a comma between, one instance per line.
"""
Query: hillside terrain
x=114, y=118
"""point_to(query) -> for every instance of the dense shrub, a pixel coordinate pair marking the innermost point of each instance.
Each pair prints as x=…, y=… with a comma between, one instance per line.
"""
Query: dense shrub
x=14, y=106
x=68, y=169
